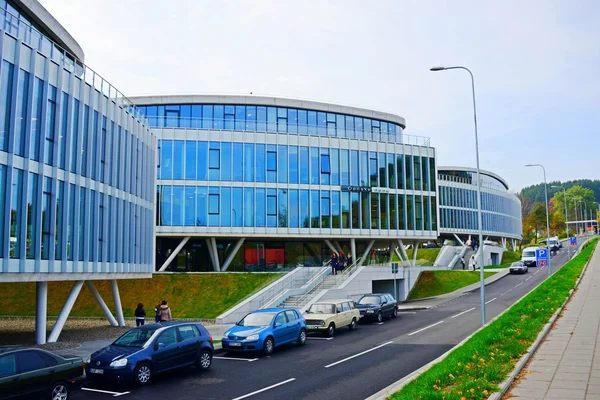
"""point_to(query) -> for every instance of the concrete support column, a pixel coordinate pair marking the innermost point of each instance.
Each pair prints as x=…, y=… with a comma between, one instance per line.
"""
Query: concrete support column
x=64, y=313
x=415, y=248
x=41, y=312
x=214, y=258
x=101, y=303
x=514, y=245
x=392, y=249
x=403, y=251
x=366, y=253
x=460, y=241
x=215, y=253
x=174, y=254
x=118, y=308
x=328, y=243
x=232, y=254
x=353, y=249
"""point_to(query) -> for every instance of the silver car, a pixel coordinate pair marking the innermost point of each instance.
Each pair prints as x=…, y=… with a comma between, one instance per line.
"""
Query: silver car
x=518, y=268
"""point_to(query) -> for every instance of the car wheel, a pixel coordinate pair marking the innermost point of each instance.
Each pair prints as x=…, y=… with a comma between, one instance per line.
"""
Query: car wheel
x=142, y=374
x=59, y=391
x=204, y=360
x=352, y=325
x=395, y=312
x=302, y=337
x=268, y=346
x=379, y=317
x=331, y=330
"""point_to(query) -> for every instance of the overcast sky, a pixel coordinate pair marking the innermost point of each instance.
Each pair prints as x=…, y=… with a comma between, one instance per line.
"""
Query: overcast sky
x=536, y=66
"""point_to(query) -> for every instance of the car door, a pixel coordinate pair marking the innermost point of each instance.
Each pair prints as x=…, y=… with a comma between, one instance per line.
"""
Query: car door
x=167, y=350
x=280, y=328
x=347, y=313
x=293, y=325
x=34, y=374
x=391, y=303
x=189, y=343
x=9, y=382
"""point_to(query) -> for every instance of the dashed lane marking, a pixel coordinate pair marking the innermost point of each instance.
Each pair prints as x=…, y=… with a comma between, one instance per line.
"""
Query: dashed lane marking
x=264, y=389
x=320, y=338
x=359, y=354
x=427, y=327
x=113, y=394
x=508, y=291
x=528, y=278
x=236, y=359
x=489, y=301
x=464, y=312
x=519, y=285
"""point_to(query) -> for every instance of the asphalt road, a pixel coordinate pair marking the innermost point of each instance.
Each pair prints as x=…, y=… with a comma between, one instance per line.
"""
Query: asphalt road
x=354, y=364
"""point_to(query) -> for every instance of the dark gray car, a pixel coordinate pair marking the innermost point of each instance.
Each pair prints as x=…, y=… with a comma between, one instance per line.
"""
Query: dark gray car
x=377, y=306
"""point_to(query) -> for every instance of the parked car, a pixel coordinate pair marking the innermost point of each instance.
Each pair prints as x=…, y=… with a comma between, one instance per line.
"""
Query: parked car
x=148, y=350
x=518, y=268
x=263, y=330
x=377, y=306
x=35, y=373
x=528, y=256
x=329, y=315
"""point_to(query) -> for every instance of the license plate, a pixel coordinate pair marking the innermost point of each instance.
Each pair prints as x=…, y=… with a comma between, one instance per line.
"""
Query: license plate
x=96, y=371
x=235, y=344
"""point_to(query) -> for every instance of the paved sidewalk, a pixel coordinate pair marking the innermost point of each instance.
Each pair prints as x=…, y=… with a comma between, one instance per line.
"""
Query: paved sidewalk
x=567, y=364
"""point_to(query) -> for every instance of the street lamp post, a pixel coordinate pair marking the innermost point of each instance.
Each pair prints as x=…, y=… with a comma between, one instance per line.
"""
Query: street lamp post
x=597, y=224
x=481, y=269
x=566, y=218
x=547, y=215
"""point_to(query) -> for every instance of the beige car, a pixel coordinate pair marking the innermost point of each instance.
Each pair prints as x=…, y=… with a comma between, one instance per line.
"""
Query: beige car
x=329, y=315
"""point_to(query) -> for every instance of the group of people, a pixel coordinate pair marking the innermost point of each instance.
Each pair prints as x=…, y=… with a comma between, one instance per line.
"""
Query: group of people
x=472, y=262
x=162, y=313
x=339, y=262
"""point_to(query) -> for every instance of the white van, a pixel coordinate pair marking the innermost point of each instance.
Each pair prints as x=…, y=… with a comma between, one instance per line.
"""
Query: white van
x=528, y=256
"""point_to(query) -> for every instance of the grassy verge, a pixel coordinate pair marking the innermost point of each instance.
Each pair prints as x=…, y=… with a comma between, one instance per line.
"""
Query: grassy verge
x=474, y=370
x=189, y=295
x=424, y=256
x=510, y=256
x=435, y=283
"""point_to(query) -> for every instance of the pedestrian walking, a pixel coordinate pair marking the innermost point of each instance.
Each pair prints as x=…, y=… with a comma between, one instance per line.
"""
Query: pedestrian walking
x=462, y=261
x=342, y=262
x=473, y=262
x=473, y=244
x=349, y=260
x=334, y=263
x=165, y=312
x=157, y=311
x=140, y=315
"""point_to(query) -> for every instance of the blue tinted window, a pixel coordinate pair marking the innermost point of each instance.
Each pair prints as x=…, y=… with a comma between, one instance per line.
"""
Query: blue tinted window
x=261, y=119
x=213, y=206
x=218, y=117
x=304, y=160
x=391, y=169
x=271, y=119
x=225, y=161
x=249, y=205
x=293, y=209
x=293, y=158
x=354, y=168
x=185, y=115
x=166, y=161
x=367, y=129
x=322, y=123
x=335, y=166
x=51, y=126
x=237, y=206
x=359, y=128
x=196, y=117
x=214, y=161
x=58, y=243
x=346, y=210
x=207, y=117
x=325, y=209
x=2, y=200
x=71, y=221
x=315, y=172
x=31, y=240
x=292, y=120
x=238, y=165
x=251, y=118
x=283, y=212
x=6, y=92
x=373, y=168
x=345, y=166
x=240, y=117
x=190, y=159
x=340, y=125
x=248, y=162
x=190, y=206
x=271, y=207
x=202, y=161
x=225, y=206
x=62, y=138
x=201, y=206
x=75, y=134
x=36, y=118
x=178, y=159
x=312, y=122
x=21, y=117
x=271, y=163
x=325, y=167
x=302, y=121
x=382, y=171
x=315, y=209
x=261, y=165
x=260, y=207
x=178, y=207
x=304, y=209
x=331, y=124
x=281, y=120
x=229, y=118
x=282, y=161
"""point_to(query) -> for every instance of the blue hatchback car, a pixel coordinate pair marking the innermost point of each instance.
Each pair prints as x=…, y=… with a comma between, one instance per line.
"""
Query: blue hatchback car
x=263, y=330
x=142, y=352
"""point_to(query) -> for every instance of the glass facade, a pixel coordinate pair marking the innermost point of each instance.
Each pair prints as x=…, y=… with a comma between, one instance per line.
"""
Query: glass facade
x=501, y=210
x=77, y=163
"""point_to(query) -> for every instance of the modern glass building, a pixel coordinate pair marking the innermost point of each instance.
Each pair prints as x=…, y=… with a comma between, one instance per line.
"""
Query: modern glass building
x=501, y=209
x=251, y=183
x=77, y=164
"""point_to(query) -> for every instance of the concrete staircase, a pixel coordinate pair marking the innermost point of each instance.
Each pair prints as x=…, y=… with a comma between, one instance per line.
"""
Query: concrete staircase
x=300, y=301
x=467, y=257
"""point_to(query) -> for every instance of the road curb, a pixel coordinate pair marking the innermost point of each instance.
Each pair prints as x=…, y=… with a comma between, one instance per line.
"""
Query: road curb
x=505, y=386
x=394, y=387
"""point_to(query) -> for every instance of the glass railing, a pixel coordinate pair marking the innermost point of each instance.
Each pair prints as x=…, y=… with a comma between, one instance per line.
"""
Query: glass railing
x=472, y=181
x=23, y=30
x=216, y=124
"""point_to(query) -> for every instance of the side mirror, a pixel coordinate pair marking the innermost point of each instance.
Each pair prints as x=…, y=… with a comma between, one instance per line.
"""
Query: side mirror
x=383, y=303
x=159, y=346
x=276, y=326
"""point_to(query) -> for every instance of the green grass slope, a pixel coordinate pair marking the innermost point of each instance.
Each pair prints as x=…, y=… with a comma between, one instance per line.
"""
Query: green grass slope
x=435, y=283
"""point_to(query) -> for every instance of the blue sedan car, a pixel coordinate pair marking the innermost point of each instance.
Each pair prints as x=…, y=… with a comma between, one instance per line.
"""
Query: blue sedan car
x=263, y=330
x=142, y=352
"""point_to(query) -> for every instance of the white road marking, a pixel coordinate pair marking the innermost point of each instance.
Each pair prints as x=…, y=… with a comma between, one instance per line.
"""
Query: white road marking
x=519, y=284
x=378, y=323
x=236, y=359
x=359, y=354
x=528, y=278
x=464, y=312
x=427, y=327
x=489, y=301
x=320, y=338
x=114, y=394
x=407, y=312
x=508, y=291
x=265, y=389
x=536, y=272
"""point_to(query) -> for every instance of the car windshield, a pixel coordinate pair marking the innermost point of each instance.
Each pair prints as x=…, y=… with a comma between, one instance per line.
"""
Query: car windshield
x=257, y=319
x=321, y=309
x=529, y=254
x=370, y=300
x=135, y=338
x=516, y=264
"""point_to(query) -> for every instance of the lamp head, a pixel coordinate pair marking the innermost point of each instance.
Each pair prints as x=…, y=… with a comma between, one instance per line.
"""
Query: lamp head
x=438, y=68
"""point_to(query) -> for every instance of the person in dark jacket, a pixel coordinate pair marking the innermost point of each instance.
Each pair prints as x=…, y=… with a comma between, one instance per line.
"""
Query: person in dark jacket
x=342, y=262
x=140, y=315
x=334, y=263
x=157, y=311
x=349, y=260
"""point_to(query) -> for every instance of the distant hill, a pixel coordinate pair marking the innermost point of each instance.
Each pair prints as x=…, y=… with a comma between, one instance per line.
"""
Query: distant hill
x=535, y=193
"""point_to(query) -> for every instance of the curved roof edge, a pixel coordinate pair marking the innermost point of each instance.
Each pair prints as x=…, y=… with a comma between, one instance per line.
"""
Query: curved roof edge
x=266, y=101
x=53, y=28
x=469, y=169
